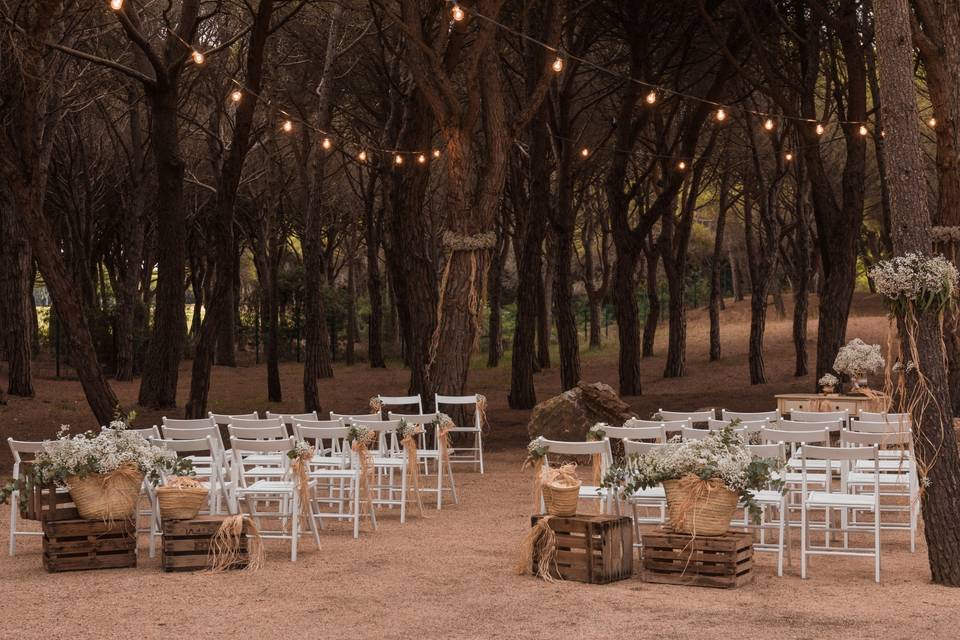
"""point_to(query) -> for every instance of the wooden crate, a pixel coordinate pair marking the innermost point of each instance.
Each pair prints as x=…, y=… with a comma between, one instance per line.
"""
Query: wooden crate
x=592, y=548
x=186, y=543
x=47, y=503
x=723, y=561
x=76, y=545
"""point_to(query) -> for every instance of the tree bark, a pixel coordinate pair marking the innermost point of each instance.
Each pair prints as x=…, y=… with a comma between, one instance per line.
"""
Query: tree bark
x=628, y=322
x=495, y=287
x=372, y=229
x=652, y=256
x=16, y=295
x=935, y=441
x=716, y=265
x=545, y=301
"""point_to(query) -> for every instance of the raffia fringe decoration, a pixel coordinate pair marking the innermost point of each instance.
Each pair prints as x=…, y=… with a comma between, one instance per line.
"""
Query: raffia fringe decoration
x=541, y=543
x=537, y=465
x=698, y=506
x=376, y=406
x=482, y=411
x=225, y=545
x=108, y=497
x=443, y=438
x=361, y=448
x=413, y=469
x=561, y=489
x=299, y=468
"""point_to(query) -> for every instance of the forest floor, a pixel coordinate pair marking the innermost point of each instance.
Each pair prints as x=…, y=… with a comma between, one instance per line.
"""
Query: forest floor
x=450, y=574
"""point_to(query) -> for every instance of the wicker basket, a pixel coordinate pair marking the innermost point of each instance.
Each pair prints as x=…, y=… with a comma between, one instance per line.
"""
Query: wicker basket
x=181, y=503
x=106, y=496
x=561, y=500
x=708, y=514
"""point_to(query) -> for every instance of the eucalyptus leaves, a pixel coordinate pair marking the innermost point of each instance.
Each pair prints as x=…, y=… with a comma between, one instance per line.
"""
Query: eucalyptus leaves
x=917, y=282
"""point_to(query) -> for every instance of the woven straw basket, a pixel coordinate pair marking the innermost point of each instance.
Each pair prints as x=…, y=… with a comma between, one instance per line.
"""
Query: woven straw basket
x=707, y=514
x=181, y=503
x=106, y=496
x=561, y=500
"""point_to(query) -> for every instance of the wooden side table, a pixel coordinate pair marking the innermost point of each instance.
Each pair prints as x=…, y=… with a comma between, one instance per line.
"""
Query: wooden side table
x=854, y=404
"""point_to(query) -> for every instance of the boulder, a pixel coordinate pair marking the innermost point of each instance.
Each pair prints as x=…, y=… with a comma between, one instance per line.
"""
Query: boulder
x=570, y=415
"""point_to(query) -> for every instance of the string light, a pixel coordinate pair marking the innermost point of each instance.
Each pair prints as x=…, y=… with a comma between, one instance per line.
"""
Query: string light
x=557, y=65
x=422, y=159
x=721, y=115
x=197, y=57
x=362, y=156
x=789, y=156
x=820, y=129
x=768, y=125
x=458, y=13
x=863, y=130
x=236, y=96
x=682, y=165
x=436, y=153
x=398, y=159
x=932, y=122
x=585, y=152
x=287, y=126
x=116, y=5
x=651, y=97
x=326, y=144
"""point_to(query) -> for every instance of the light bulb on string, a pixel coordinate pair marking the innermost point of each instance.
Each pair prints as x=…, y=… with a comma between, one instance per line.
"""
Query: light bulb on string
x=436, y=153
x=769, y=125
x=197, y=57
x=116, y=5
x=932, y=122
x=557, y=65
x=326, y=144
x=362, y=156
x=584, y=152
x=721, y=115
x=820, y=129
x=287, y=126
x=236, y=96
x=458, y=13
x=863, y=130
x=422, y=159
x=788, y=157
x=651, y=97
x=398, y=159
x=682, y=165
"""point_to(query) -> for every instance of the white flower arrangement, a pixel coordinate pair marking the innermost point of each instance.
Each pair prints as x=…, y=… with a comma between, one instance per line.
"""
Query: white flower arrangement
x=828, y=380
x=928, y=283
x=598, y=431
x=722, y=454
x=301, y=451
x=857, y=359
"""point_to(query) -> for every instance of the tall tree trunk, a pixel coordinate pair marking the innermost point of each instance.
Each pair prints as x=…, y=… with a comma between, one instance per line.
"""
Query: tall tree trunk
x=226, y=350
x=628, y=321
x=495, y=287
x=716, y=266
x=161, y=370
x=736, y=279
x=350, y=356
x=16, y=294
x=652, y=256
x=935, y=440
x=27, y=89
x=564, y=219
x=545, y=302
x=372, y=225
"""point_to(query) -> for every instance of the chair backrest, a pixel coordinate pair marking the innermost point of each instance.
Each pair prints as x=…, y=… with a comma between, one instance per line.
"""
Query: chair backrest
x=258, y=429
x=671, y=426
x=657, y=433
x=867, y=426
x=145, y=432
x=225, y=419
x=808, y=425
x=693, y=416
x=695, y=434
x=320, y=432
x=386, y=433
x=893, y=418
x=414, y=418
x=180, y=423
x=349, y=418
x=899, y=439
x=292, y=418
x=557, y=448
x=634, y=448
x=242, y=446
x=766, y=451
x=751, y=416
x=204, y=444
x=843, y=456
x=750, y=425
x=190, y=433
x=19, y=447
x=794, y=438
x=820, y=416
x=458, y=401
x=402, y=401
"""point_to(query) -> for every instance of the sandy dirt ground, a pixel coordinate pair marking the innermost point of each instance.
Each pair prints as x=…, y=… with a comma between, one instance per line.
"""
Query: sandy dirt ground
x=450, y=574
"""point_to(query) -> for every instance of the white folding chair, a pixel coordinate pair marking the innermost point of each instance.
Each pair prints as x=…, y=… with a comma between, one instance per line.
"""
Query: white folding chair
x=650, y=498
x=752, y=426
x=692, y=433
x=465, y=455
x=401, y=401
x=223, y=419
x=348, y=418
x=693, y=416
x=770, y=500
x=389, y=463
x=432, y=452
x=144, y=432
x=290, y=419
x=213, y=464
x=657, y=433
x=258, y=492
x=202, y=447
x=821, y=416
x=900, y=419
x=334, y=469
x=146, y=489
x=19, y=448
x=558, y=448
x=751, y=416
x=843, y=500
x=671, y=426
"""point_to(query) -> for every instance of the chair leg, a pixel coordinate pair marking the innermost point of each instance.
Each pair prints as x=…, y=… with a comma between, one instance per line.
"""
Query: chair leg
x=780, y=540
x=14, y=501
x=803, y=541
x=294, y=527
x=439, y=483
x=480, y=449
x=355, y=487
x=453, y=485
x=876, y=541
x=403, y=494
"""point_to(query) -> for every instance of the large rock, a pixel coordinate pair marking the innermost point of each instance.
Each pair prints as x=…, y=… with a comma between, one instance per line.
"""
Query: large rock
x=570, y=415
